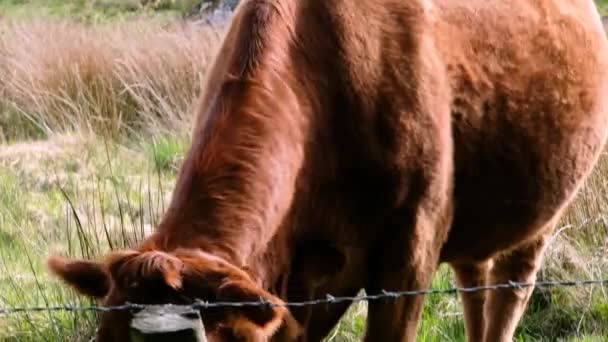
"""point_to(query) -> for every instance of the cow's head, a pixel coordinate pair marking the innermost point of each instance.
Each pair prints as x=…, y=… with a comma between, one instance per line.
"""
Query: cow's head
x=156, y=277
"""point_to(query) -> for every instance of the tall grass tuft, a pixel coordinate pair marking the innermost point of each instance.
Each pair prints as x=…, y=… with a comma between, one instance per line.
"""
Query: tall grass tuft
x=59, y=76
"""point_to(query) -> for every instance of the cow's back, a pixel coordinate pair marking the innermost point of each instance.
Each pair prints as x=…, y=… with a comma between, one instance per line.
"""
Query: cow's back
x=528, y=115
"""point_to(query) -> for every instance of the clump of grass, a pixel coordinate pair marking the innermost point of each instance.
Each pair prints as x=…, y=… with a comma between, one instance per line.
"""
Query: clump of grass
x=166, y=152
x=75, y=196
x=61, y=76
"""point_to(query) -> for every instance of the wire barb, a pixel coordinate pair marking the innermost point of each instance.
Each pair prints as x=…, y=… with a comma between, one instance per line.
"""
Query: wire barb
x=329, y=299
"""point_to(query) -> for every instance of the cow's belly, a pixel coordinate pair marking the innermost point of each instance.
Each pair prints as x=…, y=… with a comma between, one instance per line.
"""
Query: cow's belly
x=513, y=178
x=528, y=121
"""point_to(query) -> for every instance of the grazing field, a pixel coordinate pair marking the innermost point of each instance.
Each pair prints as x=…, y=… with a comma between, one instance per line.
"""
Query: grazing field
x=96, y=102
x=602, y=5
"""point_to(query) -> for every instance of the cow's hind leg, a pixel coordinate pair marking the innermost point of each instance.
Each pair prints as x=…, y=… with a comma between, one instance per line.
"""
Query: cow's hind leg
x=505, y=307
x=472, y=275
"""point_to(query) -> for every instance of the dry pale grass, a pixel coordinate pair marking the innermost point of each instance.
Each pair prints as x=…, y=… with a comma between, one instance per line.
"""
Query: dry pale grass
x=58, y=76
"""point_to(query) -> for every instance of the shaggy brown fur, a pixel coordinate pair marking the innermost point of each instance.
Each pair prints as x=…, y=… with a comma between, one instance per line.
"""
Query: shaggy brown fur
x=344, y=144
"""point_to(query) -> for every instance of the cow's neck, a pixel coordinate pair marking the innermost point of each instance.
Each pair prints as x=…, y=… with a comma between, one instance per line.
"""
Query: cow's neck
x=237, y=182
x=238, y=179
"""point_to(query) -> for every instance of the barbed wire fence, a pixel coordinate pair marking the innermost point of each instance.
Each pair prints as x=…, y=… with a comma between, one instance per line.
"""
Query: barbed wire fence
x=190, y=322
x=329, y=299
x=198, y=304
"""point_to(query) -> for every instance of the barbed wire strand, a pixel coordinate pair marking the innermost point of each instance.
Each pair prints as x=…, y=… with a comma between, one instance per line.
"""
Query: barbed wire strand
x=329, y=299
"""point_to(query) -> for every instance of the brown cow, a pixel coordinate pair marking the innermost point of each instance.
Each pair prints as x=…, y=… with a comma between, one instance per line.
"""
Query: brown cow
x=343, y=144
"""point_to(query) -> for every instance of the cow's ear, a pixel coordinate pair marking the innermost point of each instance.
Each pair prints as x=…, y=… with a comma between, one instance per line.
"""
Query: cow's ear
x=85, y=276
x=253, y=322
